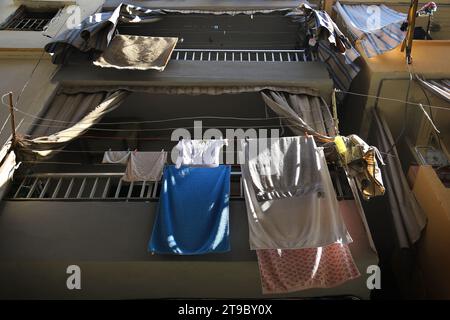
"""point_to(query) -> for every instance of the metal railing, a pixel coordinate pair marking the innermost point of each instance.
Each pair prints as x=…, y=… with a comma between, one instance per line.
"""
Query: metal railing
x=111, y=187
x=89, y=186
x=26, y=24
x=240, y=55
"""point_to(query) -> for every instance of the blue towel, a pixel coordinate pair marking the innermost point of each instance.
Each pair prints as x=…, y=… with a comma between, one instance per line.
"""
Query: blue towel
x=192, y=216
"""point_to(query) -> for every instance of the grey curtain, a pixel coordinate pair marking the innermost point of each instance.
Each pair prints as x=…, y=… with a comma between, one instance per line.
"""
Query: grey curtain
x=74, y=115
x=302, y=113
x=409, y=218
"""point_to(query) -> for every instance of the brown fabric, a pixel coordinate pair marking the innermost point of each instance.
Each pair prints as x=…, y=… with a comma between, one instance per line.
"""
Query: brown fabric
x=44, y=146
x=189, y=90
x=361, y=164
x=137, y=53
x=303, y=113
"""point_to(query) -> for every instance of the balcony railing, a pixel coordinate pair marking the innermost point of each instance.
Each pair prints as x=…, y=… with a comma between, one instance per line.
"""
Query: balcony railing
x=240, y=55
x=111, y=187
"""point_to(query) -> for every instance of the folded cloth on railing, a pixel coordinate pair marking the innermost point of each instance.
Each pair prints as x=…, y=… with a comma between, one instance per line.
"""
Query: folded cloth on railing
x=137, y=53
x=200, y=153
x=193, y=211
x=284, y=167
x=116, y=157
x=307, y=221
x=145, y=166
x=283, y=271
x=95, y=32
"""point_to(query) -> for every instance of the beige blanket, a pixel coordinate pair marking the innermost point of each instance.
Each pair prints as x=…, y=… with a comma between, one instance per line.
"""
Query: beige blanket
x=137, y=53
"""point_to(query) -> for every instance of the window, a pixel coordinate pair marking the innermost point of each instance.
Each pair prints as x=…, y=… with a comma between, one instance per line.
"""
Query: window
x=29, y=19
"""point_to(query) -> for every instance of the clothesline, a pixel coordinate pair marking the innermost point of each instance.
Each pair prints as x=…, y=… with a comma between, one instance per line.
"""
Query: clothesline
x=170, y=128
x=216, y=117
x=396, y=100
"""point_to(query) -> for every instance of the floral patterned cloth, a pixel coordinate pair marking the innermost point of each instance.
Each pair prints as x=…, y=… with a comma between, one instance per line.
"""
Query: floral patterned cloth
x=292, y=270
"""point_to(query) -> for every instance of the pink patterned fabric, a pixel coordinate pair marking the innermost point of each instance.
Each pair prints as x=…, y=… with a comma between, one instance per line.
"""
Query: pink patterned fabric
x=291, y=270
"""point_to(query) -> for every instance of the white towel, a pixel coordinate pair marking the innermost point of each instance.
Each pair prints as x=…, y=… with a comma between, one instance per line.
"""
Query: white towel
x=307, y=221
x=145, y=166
x=284, y=167
x=203, y=153
x=116, y=157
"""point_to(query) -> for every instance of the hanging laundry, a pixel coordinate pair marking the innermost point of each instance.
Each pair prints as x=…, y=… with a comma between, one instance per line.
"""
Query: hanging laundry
x=307, y=221
x=145, y=166
x=292, y=270
x=285, y=167
x=193, y=213
x=116, y=157
x=203, y=153
x=360, y=159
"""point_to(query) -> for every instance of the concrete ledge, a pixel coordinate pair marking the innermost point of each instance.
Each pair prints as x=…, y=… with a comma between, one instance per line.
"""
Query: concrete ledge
x=205, y=73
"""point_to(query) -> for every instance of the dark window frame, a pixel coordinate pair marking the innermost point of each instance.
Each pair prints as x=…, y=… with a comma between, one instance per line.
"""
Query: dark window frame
x=29, y=19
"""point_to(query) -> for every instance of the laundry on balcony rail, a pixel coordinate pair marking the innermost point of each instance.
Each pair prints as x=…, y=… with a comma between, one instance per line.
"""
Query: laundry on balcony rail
x=193, y=211
x=302, y=221
x=95, y=33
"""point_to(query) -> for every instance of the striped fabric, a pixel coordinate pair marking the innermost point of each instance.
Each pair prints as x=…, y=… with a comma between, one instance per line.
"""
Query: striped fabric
x=331, y=45
x=93, y=35
x=341, y=67
x=379, y=38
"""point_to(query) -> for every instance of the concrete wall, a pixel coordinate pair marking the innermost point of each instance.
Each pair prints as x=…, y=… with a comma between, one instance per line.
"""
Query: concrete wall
x=108, y=240
x=24, y=68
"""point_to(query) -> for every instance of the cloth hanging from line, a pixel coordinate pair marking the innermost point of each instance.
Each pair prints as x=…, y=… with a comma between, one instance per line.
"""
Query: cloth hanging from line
x=203, y=153
x=46, y=145
x=375, y=36
x=137, y=53
x=361, y=163
x=95, y=33
x=284, y=167
x=308, y=221
x=409, y=218
x=116, y=157
x=145, y=166
x=341, y=67
x=193, y=211
x=284, y=271
x=303, y=113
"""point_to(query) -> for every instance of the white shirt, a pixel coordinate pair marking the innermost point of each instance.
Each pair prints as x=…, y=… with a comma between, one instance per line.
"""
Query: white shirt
x=204, y=153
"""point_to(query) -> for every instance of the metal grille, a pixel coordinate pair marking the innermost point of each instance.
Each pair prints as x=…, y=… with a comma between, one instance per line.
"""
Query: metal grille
x=240, y=55
x=110, y=186
x=25, y=20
